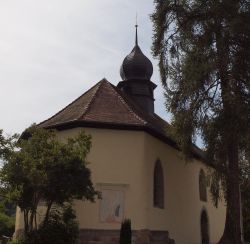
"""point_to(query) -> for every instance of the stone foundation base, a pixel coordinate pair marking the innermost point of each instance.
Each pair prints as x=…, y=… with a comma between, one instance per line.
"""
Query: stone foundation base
x=112, y=237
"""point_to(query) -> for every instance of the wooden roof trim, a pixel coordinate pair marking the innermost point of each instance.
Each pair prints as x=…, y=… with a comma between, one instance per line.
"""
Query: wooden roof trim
x=107, y=125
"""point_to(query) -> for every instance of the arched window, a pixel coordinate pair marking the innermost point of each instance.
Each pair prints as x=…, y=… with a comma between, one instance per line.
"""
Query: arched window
x=204, y=228
x=158, y=185
x=202, y=186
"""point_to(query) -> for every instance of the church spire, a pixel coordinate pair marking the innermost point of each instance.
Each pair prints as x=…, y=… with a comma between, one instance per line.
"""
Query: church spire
x=136, y=36
x=136, y=71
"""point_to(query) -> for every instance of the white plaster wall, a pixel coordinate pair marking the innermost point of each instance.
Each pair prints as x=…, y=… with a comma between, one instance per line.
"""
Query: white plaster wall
x=127, y=158
x=181, y=214
x=116, y=158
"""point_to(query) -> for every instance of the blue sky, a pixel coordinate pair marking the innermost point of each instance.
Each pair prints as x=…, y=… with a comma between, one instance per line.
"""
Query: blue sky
x=51, y=51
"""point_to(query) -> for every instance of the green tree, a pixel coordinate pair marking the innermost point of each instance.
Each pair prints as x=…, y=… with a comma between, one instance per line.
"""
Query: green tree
x=7, y=208
x=7, y=225
x=204, y=60
x=7, y=144
x=7, y=217
x=41, y=168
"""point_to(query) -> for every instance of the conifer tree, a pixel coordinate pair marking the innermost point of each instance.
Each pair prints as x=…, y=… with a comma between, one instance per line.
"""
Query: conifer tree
x=204, y=60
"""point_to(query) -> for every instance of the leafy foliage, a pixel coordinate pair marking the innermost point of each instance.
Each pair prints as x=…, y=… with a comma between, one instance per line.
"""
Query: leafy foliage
x=7, y=225
x=245, y=195
x=15, y=242
x=125, y=232
x=204, y=60
x=41, y=168
x=7, y=145
x=61, y=228
x=7, y=217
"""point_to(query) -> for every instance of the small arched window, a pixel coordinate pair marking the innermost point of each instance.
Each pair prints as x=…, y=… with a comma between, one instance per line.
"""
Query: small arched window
x=158, y=185
x=202, y=186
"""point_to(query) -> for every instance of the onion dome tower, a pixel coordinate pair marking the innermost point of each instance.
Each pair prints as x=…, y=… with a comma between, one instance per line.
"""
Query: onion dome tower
x=136, y=71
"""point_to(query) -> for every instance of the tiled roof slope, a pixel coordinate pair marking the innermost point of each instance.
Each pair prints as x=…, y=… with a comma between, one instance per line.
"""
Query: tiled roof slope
x=106, y=106
x=102, y=104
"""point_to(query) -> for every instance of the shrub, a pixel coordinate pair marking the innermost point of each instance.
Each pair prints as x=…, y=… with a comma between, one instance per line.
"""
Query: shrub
x=7, y=225
x=60, y=228
x=15, y=242
x=126, y=233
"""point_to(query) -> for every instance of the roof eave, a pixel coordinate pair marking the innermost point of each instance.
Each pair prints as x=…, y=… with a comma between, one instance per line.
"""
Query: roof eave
x=120, y=126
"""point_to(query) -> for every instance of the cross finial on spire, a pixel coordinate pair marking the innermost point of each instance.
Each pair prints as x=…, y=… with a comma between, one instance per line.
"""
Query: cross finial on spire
x=136, y=26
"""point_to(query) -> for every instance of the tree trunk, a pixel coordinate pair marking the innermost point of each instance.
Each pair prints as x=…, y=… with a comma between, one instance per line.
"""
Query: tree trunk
x=26, y=221
x=35, y=218
x=232, y=231
x=31, y=220
x=48, y=212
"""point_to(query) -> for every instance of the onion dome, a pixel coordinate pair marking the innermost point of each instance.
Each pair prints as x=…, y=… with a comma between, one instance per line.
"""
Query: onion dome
x=136, y=65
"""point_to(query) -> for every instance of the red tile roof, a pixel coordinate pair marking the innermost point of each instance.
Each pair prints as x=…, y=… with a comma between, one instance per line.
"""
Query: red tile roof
x=106, y=106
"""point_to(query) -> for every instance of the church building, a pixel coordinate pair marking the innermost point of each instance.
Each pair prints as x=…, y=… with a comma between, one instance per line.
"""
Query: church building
x=137, y=166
